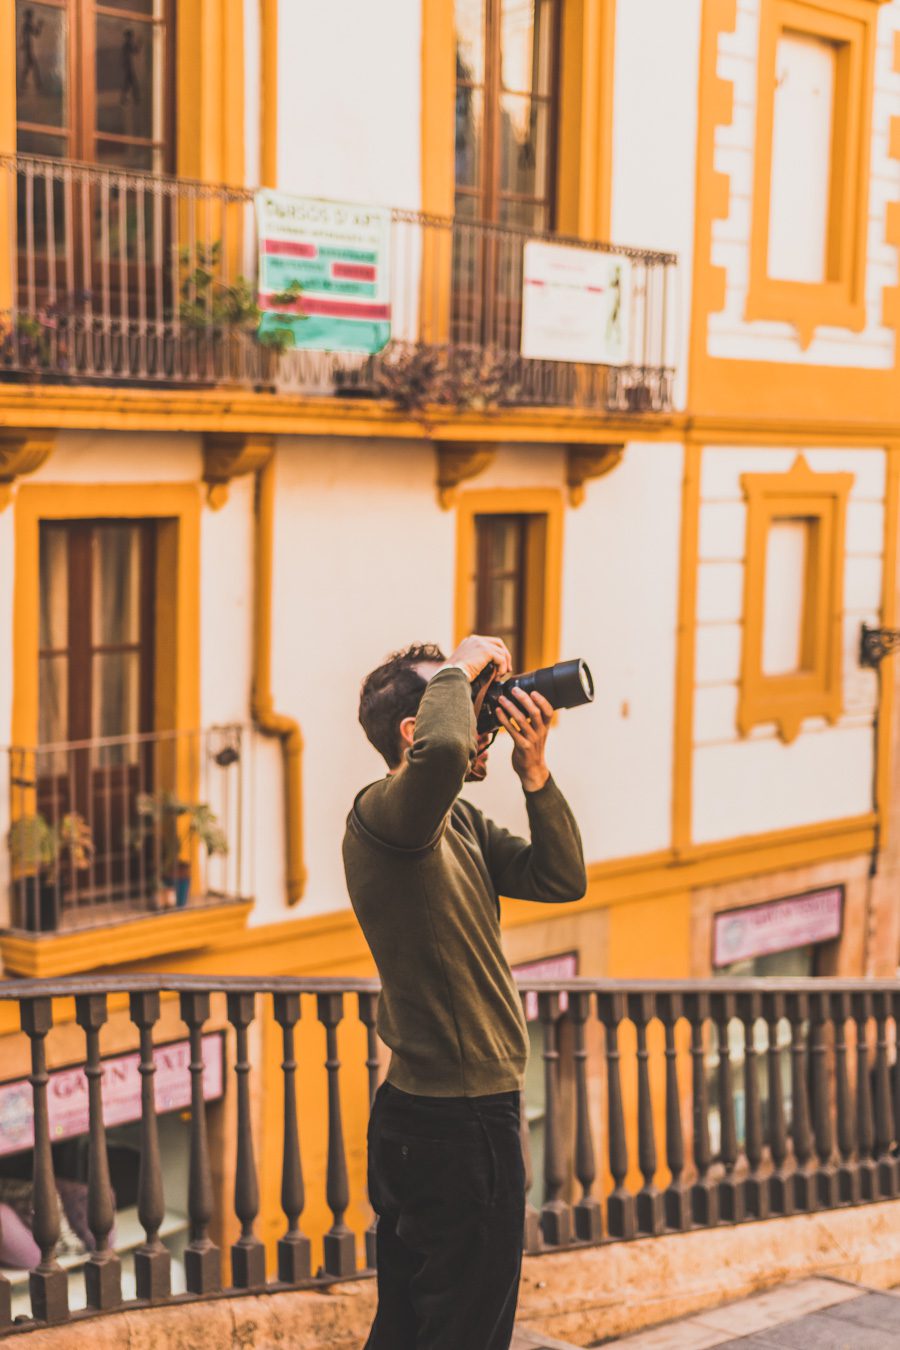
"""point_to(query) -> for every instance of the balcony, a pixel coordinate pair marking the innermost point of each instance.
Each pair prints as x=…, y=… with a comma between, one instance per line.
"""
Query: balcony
x=134, y=279
x=106, y=835
x=735, y=1113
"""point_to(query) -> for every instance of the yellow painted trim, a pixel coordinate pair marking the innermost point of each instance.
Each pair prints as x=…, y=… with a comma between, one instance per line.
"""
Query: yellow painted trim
x=584, y=172
x=270, y=722
x=766, y=393
x=53, y=954
x=817, y=689
x=210, y=91
x=543, y=565
x=839, y=299
x=8, y=50
x=891, y=294
x=686, y=641
x=889, y=616
x=179, y=502
x=587, y=83
x=268, y=78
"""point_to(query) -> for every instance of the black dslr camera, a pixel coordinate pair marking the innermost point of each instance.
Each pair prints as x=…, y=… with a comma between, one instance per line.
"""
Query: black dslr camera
x=568, y=684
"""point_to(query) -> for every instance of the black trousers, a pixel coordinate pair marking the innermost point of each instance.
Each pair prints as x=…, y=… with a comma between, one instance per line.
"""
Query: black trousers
x=447, y=1181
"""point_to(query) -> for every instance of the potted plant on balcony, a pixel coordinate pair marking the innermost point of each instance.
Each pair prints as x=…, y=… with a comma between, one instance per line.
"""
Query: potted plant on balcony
x=175, y=824
x=38, y=853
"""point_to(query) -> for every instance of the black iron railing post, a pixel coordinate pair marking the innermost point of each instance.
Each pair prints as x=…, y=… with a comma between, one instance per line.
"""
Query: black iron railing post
x=340, y=1244
x=848, y=1172
x=152, y=1261
x=556, y=1214
x=621, y=1218
x=826, y=1174
x=248, y=1255
x=865, y=1125
x=650, y=1217
x=103, y=1272
x=48, y=1283
x=294, y=1260
x=202, y=1258
x=756, y=1190
x=804, y=1179
x=587, y=1210
x=704, y=1191
x=677, y=1195
x=368, y=1010
x=731, y=1188
x=884, y=1123
x=781, y=1191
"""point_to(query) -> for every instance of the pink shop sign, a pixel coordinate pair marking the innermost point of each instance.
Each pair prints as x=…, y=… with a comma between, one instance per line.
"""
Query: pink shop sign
x=777, y=926
x=563, y=967
x=67, y=1092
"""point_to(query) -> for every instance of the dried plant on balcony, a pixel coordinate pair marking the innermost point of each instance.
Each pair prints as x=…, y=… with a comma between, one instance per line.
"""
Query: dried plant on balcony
x=163, y=816
x=37, y=848
x=462, y=377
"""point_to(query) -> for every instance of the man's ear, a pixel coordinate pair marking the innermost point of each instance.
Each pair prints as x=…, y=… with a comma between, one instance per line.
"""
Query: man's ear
x=407, y=733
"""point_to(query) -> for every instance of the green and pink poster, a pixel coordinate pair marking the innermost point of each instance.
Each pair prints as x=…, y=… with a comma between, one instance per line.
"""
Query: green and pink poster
x=323, y=271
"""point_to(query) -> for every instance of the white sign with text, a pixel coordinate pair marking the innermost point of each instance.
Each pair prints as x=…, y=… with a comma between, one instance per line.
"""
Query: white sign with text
x=576, y=304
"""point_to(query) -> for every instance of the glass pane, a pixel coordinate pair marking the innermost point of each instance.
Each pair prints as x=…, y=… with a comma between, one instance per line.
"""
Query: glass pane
x=53, y=700
x=54, y=584
x=41, y=64
x=470, y=40
x=503, y=605
x=504, y=538
x=148, y=7
x=122, y=156
x=524, y=146
x=469, y=135
x=533, y=216
x=36, y=143
x=527, y=46
x=116, y=574
x=125, y=67
x=115, y=686
x=785, y=604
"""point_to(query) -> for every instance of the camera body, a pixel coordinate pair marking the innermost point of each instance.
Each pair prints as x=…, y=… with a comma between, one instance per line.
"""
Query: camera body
x=568, y=684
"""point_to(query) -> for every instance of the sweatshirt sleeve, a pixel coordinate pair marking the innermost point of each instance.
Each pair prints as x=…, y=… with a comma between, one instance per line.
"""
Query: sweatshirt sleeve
x=549, y=869
x=406, y=809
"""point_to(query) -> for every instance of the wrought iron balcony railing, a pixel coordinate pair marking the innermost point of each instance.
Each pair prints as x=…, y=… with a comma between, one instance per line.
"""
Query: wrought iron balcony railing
x=125, y=277
x=765, y=1098
x=122, y=826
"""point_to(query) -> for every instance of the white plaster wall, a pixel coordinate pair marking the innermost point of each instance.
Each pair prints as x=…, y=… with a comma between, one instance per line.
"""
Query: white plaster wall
x=654, y=156
x=747, y=786
x=122, y=457
x=729, y=336
x=349, y=100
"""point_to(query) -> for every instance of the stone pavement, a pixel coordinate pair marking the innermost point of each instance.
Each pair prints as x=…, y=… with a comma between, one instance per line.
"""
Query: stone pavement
x=815, y=1314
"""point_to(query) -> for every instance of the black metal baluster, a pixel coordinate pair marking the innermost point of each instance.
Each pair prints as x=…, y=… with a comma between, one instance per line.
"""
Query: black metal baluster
x=588, y=1214
x=865, y=1127
x=649, y=1198
x=103, y=1271
x=248, y=1255
x=47, y=1283
x=556, y=1215
x=804, y=1180
x=848, y=1172
x=368, y=1009
x=294, y=1262
x=731, y=1188
x=621, y=1218
x=704, y=1192
x=781, y=1194
x=884, y=1125
x=339, y=1242
x=152, y=1261
x=826, y=1175
x=677, y=1196
x=202, y=1258
x=756, y=1189
x=895, y=1003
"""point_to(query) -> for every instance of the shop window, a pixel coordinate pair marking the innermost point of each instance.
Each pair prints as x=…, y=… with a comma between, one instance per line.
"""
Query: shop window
x=810, y=209
x=509, y=572
x=793, y=598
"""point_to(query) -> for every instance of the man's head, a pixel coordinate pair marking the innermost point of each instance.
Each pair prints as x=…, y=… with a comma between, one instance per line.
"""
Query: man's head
x=392, y=693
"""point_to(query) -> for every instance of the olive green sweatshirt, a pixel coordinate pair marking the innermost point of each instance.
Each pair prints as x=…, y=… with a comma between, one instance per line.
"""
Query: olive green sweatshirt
x=425, y=872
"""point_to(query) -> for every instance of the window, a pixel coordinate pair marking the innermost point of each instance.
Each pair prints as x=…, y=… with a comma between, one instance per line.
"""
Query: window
x=810, y=209
x=509, y=546
x=93, y=81
x=793, y=598
x=506, y=110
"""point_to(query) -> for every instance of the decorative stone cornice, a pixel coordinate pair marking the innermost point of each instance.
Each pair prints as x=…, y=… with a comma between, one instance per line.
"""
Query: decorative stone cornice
x=21, y=452
x=458, y=461
x=228, y=455
x=589, y=461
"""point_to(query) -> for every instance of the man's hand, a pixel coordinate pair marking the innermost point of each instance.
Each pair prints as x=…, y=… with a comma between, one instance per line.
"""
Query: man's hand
x=474, y=653
x=528, y=721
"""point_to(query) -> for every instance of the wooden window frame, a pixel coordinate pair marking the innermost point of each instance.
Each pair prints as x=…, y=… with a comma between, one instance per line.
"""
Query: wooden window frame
x=816, y=691
x=543, y=564
x=839, y=300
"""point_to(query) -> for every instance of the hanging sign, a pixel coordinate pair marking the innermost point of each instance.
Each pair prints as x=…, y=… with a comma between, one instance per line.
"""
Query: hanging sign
x=576, y=304
x=777, y=926
x=564, y=967
x=67, y=1092
x=324, y=272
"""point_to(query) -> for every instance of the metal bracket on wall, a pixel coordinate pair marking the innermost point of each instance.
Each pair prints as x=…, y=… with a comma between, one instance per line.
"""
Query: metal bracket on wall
x=877, y=643
x=584, y=462
x=21, y=452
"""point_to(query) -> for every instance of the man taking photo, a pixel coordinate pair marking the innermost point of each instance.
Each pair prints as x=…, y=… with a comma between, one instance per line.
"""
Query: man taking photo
x=425, y=871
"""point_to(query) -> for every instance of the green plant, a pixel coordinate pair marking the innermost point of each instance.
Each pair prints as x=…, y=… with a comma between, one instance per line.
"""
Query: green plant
x=175, y=823
x=207, y=302
x=36, y=847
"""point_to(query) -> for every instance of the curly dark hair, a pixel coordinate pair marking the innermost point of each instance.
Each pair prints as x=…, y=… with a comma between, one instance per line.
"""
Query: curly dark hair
x=392, y=692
